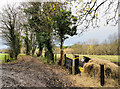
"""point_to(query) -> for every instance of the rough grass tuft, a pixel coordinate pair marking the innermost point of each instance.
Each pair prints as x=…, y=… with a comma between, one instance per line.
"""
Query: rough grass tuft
x=92, y=68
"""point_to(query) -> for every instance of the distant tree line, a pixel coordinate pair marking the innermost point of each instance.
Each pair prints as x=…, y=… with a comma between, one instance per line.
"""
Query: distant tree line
x=92, y=47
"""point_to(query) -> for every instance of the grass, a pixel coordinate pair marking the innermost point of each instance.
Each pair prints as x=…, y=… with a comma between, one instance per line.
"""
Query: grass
x=112, y=58
x=46, y=60
x=20, y=55
x=2, y=56
x=43, y=58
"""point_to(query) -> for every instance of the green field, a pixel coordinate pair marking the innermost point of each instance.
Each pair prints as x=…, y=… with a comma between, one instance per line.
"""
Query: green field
x=112, y=58
x=2, y=56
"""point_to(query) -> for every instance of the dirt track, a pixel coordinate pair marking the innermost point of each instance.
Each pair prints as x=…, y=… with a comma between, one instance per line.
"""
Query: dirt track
x=30, y=72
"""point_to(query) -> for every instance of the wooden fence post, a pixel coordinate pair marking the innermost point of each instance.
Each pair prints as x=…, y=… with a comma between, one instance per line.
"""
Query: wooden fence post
x=65, y=60
x=102, y=74
x=73, y=67
x=76, y=64
x=5, y=59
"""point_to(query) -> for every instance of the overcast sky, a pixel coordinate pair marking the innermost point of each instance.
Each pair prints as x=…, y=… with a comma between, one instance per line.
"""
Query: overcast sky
x=100, y=33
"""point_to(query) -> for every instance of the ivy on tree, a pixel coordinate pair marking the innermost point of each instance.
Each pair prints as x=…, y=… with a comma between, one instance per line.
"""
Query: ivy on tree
x=64, y=24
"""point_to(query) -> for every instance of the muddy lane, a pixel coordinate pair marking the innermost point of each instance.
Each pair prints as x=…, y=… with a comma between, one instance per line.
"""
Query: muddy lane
x=30, y=72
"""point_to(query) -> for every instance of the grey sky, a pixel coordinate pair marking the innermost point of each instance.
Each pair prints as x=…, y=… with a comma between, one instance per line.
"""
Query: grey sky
x=100, y=33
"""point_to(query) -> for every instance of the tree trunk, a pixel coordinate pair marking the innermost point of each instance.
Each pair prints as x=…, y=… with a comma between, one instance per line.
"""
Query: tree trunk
x=33, y=50
x=61, y=48
x=40, y=51
x=49, y=47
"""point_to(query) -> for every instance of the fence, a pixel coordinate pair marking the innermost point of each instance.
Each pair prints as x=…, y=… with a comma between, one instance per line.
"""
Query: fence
x=72, y=64
x=7, y=58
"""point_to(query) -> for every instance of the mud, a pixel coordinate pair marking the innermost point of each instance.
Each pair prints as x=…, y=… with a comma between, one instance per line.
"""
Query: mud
x=30, y=72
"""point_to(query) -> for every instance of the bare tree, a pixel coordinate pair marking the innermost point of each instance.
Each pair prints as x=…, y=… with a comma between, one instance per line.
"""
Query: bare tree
x=11, y=28
x=91, y=12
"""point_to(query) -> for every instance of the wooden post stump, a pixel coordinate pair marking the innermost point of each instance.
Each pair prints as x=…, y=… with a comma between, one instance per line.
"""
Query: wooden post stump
x=102, y=75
